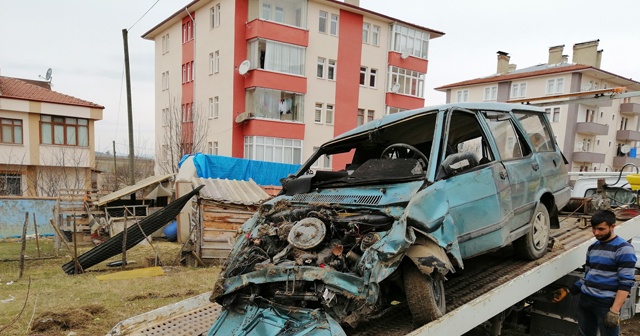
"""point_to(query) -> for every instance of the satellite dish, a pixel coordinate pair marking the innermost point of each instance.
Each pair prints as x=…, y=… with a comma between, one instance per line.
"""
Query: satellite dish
x=395, y=88
x=48, y=75
x=404, y=54
x=625, y=149
x=242, y=117
x=579, y=145
x=244, y=67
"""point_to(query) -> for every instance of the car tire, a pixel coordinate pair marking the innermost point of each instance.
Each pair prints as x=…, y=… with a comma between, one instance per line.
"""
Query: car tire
x=425, y=294
x=534, y=244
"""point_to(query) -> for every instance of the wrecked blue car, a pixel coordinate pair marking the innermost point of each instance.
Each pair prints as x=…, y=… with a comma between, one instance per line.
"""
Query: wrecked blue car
x=424, y=190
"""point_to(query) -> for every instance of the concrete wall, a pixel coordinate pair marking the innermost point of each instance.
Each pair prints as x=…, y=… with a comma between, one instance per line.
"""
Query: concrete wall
x=12, y=212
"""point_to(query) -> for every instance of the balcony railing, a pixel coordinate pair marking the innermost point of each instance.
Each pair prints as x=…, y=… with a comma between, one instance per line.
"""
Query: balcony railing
x=589, y=157
x=620, y=161
x=592, y=128
x=630, y=108
x=627, y=135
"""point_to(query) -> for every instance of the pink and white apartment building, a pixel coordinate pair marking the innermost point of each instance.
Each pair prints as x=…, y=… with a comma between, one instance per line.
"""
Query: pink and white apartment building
x=277, y=78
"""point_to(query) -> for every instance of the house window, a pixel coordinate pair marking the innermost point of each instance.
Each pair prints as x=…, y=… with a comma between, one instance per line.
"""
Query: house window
x=328, y=115
x=320, y=67
x=373, y=73
x=392, y=110
x=518, y=90
x=280, y=11
x=216, y=61
x=216, y=107
x=64, y=131
x=322, y=22
x=215, y=148
x=462, y=96
x=375, y=36
x=366, y=29
x=318, y=113
x=553, y=114
x=409, y=82
x=333, y=29
x=184, y=73
x=271, y=149
x=331, y=71
x=11, y=131
x=410, y=40
x=11, y=184
x=275, y=104
x=363, y=75
x=165, y=80
x=623, y=123
x=360, y=120
x=490, y=93
x=214, y=14
x=555, y=85
x=165, y=43
x=370, y=115
x=276, y=56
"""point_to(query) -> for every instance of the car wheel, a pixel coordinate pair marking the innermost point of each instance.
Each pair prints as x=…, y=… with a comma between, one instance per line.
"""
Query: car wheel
x=425, y=294
x=534, y=244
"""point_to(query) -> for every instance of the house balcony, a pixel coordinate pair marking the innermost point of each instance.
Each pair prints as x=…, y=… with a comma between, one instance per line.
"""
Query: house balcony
x=627, y=135
x=592, y=128
x=620, y=161
x=630, y=108
x=588, y=157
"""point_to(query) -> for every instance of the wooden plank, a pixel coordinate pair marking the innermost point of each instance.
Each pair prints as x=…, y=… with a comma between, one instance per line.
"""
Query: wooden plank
x=222, y=226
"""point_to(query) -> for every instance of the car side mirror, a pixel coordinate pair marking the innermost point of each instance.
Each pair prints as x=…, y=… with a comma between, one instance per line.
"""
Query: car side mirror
x=457, y=163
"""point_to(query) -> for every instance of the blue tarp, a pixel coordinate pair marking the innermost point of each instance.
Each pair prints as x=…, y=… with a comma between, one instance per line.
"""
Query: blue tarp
x=223, y=167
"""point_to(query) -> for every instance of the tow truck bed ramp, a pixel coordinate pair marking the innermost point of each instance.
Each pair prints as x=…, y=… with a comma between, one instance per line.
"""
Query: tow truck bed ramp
x=488, y=285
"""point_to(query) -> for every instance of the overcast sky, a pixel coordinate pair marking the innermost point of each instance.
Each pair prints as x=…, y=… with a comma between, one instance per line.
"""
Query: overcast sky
x=81, y=41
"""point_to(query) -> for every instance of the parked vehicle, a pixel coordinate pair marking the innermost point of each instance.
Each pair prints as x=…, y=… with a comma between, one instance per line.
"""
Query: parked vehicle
x=425, y=189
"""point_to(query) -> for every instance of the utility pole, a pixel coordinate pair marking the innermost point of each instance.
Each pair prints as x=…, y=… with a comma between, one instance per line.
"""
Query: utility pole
x=132, y=179
x=115, y=168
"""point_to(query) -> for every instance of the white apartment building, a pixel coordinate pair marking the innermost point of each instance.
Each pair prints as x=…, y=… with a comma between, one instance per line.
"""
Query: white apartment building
x=594, y=134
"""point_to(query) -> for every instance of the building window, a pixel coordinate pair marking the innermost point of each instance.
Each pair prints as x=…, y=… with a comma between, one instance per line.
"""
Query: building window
x=323, y=162
x=273, y=149
x=331, y=71
x=11, y=131
x=375, y=36
x=363, y=75
x=392, y=110
x=64, y=131
x=328, y=115
x=216, y=61
x=212, y=147
x=214, y=15
x=165, y=43
x=365, y=116
x=373, y=73
x=490, y=93
x=322, y=22
x=165, y=80
x=408, y=82
x=333, y=29
x=11, y=184
x=283, y=12
x=275, y=104
x=410, y=40
x=623, y=123
x=216, y=107
x=553, y=114
x=462, y=96
x=518, y=90
x=317, y=118
x=276, y=56
x=366, y=29
x=555, y=85
x=320, y=67
x=184, y=73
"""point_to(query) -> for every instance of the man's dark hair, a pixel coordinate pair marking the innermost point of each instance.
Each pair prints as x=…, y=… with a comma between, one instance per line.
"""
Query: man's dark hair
x=603, y=216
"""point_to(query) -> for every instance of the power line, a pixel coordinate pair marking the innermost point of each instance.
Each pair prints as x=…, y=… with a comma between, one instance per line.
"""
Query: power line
x=145, y=13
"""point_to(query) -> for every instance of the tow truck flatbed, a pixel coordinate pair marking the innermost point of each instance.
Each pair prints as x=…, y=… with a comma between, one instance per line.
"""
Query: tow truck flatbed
x=488, y=285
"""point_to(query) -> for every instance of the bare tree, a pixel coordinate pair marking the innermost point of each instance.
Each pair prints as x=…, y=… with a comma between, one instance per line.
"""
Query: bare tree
x=184, y=131
x=65, y=168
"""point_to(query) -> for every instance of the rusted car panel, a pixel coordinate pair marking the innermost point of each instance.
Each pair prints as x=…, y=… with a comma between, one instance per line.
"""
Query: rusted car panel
x=425, y=189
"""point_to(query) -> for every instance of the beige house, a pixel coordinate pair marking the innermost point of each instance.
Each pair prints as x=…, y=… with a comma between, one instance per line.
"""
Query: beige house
x=594, y=134
x=272, y=80
x=46, y=139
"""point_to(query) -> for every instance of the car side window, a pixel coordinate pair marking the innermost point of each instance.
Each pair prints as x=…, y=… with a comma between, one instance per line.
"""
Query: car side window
x=540, y=138
x=509, y=144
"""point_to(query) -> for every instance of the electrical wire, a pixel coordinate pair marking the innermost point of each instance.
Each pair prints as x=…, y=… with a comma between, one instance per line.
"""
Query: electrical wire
x=145, y=13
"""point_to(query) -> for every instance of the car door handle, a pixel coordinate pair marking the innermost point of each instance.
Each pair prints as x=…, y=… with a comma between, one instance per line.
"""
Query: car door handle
x=503, y=174
x=535, y=166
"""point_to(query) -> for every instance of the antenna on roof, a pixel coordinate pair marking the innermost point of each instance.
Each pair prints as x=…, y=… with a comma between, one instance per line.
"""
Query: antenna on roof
x=47, y=77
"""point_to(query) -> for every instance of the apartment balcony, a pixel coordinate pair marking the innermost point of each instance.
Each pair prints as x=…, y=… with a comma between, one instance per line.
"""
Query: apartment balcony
x=627, y=135
x=592, y=128
x=630, y=108
x=588, y=157
x=620, y=161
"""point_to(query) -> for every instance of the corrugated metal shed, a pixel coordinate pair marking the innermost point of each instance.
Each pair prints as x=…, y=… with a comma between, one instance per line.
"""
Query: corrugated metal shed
x=231, y=191
x=131, y=189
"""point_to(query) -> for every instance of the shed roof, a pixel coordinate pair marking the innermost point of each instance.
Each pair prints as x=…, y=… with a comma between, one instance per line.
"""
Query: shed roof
x=128, y=190
x=231, y=191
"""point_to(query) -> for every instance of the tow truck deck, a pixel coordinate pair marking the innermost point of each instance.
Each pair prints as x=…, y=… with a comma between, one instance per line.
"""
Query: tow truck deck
x=487, y=286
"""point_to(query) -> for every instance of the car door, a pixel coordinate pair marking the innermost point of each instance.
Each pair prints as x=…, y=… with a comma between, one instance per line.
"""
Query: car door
x=522, y=168
x=478, y=194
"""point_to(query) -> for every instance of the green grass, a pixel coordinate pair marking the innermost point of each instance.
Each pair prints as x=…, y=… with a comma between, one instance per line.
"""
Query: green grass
x=89, y=306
